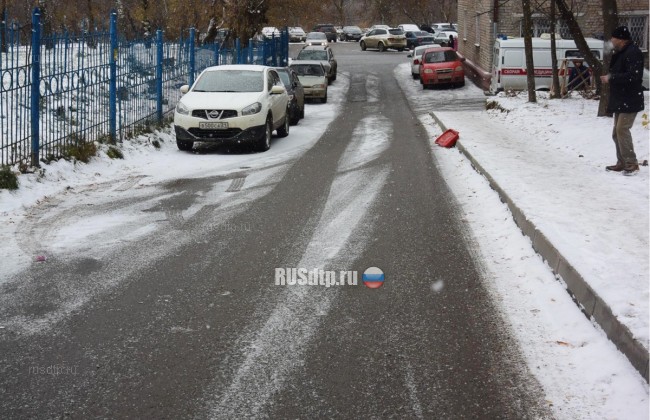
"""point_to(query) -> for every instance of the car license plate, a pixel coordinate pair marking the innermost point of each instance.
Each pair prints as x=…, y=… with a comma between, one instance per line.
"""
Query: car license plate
x=444, y=76
x=213, y=125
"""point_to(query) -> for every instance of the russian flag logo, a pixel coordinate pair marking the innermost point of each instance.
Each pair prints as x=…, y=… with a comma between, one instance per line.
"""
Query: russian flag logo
x=373, y=278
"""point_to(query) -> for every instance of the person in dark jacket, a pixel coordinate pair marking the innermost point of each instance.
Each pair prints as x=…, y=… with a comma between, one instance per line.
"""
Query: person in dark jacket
x=625, y=80
x=579, y=77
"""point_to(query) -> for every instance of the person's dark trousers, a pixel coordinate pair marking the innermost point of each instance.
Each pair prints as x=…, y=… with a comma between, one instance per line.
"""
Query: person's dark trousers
x=623, y=138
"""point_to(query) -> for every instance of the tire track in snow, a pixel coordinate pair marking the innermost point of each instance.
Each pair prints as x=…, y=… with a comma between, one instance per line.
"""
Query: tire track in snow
x=279, y=346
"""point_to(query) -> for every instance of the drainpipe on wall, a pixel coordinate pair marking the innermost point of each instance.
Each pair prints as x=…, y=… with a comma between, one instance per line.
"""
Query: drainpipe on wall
x=495, y=30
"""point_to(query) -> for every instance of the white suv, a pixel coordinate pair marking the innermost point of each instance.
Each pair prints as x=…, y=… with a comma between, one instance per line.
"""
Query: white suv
x=239, y=104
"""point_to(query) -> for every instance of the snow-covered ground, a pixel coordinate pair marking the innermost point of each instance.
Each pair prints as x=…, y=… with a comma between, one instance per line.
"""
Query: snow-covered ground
x=550, y=159
x=143, y=165
x=583, y=374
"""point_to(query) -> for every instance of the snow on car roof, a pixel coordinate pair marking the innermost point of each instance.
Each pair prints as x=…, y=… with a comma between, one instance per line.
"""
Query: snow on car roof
x=253, y=67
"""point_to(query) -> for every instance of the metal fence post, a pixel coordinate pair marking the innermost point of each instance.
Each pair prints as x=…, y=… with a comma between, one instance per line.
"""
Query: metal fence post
x=112, y=82
x=250, y=51
x=159, y=75
x=237, y=56
x=274, y=50
x=192, y=63
x=285, y=51
x=36, y=82
x=264, y=53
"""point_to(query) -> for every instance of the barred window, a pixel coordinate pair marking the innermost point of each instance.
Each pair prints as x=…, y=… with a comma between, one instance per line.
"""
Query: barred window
x=542, y=25
x=638, y=26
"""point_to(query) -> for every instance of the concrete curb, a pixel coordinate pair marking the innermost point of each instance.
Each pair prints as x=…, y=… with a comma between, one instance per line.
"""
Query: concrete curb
x=589, y=302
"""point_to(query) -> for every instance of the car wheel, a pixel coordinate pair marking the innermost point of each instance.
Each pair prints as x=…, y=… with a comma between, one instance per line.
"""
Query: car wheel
x=264, y=142
x=324, y=100
x=295, y=113
x=283, y=131
x=302, y=111
x=400, y=49
x=184, y=145
x=381, y=47
x=415, y=76
x=363, y=46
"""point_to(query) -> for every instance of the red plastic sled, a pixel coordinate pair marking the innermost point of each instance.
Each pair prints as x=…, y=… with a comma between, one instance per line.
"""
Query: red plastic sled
x=448, y=138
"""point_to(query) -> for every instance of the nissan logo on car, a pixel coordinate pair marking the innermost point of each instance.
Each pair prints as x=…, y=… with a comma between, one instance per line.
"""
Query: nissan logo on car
x=214, y=114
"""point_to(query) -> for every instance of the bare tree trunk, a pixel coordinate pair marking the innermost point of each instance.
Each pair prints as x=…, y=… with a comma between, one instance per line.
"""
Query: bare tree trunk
x=339, y=5
x=91, y=41
x=3, y=26
x=579, y=39
x=528, y=44
x=556, y=79
x=610, y=22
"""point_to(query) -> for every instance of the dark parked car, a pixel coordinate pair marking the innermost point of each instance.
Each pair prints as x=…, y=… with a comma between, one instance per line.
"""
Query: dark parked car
x=351, y=33
x=327, y=29
x=295, y=91
x=417, y=38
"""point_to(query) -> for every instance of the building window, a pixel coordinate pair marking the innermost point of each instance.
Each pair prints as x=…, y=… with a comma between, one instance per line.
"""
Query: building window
x=477, y=41
x=638, y=26
x=542, y=25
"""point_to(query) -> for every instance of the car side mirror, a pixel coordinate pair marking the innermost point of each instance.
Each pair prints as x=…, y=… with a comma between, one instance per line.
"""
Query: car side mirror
x=277, y=90
x=185, y=89
x=462, y=59
x=409, y=56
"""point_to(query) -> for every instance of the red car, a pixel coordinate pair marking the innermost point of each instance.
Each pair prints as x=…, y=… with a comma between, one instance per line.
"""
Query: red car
x=441, y=65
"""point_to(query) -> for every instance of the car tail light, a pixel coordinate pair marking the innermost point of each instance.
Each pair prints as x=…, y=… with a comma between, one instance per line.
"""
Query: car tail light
x=416, y=61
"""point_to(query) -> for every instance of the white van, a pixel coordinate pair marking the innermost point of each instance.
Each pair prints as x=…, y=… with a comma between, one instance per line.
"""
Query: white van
x=509, y=63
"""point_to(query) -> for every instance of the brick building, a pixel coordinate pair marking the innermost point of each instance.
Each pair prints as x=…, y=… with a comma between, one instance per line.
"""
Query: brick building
x=479, y=23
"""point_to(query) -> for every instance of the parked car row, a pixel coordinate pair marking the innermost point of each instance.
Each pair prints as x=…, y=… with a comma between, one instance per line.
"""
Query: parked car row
x=244, y=104
x=441, y=31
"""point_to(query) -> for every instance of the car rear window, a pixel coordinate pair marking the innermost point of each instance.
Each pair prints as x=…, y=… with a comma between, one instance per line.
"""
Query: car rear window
x=396, y=31
x=308, y=69
x=325, y=28
x=312, y=55
x=230, y=81
x=316, y=35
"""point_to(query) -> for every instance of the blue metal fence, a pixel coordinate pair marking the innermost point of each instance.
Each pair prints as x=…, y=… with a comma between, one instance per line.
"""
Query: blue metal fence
x=65, y=89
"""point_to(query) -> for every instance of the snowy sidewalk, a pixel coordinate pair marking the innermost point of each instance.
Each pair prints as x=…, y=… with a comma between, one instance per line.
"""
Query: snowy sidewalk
x=547, y=162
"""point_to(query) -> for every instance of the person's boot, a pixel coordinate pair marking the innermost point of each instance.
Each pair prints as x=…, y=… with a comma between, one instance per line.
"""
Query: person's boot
x=630, y=169
x=616, y=168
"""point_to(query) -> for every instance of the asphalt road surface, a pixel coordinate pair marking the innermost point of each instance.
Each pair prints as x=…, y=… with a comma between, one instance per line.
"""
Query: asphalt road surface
x=189, y=322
